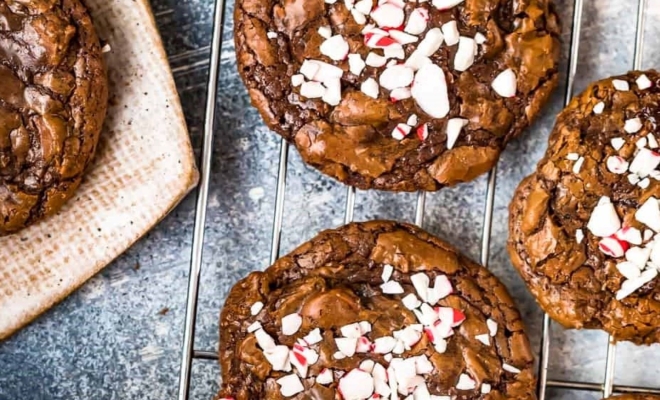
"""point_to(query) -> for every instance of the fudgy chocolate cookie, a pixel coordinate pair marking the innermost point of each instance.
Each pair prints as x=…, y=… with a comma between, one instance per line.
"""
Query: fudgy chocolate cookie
x=635, y=397
x=398, y=95
x=583, y=228
x=53, y=99
x=374, y=308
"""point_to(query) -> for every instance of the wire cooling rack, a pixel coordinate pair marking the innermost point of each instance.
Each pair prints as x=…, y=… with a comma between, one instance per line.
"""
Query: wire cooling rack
x=190, y=353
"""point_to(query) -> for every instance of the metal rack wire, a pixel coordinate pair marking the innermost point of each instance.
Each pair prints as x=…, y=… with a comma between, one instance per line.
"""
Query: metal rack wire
x=189, y=353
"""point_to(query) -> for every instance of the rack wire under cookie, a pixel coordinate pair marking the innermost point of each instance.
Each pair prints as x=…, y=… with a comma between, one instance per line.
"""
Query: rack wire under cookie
x=190, y=354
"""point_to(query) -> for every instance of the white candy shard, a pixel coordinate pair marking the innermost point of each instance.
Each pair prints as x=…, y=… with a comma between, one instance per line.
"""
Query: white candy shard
x=256, y=308
x=599, y=108
x=370, y=88
x=644, y=162
x=572, y=156
x=402, y=37
x=256, y=325
x=291, y=323
x=325, y=32
x=397, y=76
x=430, y=91
x=423, y=365
x=611, y=247
x=630, y=235
x=264, y=340
x=492, y=327
x=375, y=60
x=510, y=368
x=312, y=90
x=309, y=69
x=365, y=327
x=426, y=48
x=505, y=84
x=454, y=128
x=359, y=17
x=324, y=377
x=290, y=385
x=450, y=30
x=412, y=120
x=400, y=94
x=644, y=183
x=336, y=48
x=643, y=82
x=617, y=143
x=356, y=385
x=332, y=93
x=628, y=270
x=313, y=337
x=411, y=301
x=649, y=214
x=387, y=272
x=346, y=346
x=271, y=35
x=351, y=330
x=367, y=366
x=394, y=51
x=604, y=220
x=446, y=4
x=485, y=339
x=466, y=383
x=641, y=142
x=388, y=15
x=578, y=165
x=441, y=289
x=384, y=345
x=620, y=85
x=465, y=55
x=653, y=142
x=297, y=80
x=391, y=287
x=485, y=388
x=298, y=359
x=631, y=285
x=278, y=357
x=633, y=125
x=579, y=235
x=364, y=6
x=417, y=21
x=400, y=131
x=480, y=38
x=355, y=64
x=617, y=165
x=421, y=283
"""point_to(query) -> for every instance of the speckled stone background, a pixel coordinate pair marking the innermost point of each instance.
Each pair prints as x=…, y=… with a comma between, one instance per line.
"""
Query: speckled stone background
x=119, y=337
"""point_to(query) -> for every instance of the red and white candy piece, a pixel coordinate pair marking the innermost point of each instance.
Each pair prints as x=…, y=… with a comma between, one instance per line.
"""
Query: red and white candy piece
x=402, y=37
x=644, y=162
x=633, y=179
x=633, y=125
x=649, y=214
x=387, y=272
x=466, y=383
x=417, y=21
x=364, y=345
x=423, y=132
x=631, y=285
x=613, y=247
x=256, y=308
x=355, y=64
x=628, y=270
x=620, y=85
x=604, y=220
x=505, y=84
x=454, y=128
x=617, y=165
x=399, y=94
x=510, y=368
x=643, y=82
x=492, y=327
x=450, y=30
x=599, y=108
x=336, y=48
x=291, y=323
x=446, y=4
x=378, y=40
x=465, y=55
x=299, y=361
x=278, y=357
x=290, y=385
x=400, y=131
x=426, y=315
x=430, y=91
x=397, y=76
x=617, y=143
x=388, y=15
x=630, y=235
x=356, y=385
x=324, y=377
x=451, y=315
x=391, y=287
x=370, y=88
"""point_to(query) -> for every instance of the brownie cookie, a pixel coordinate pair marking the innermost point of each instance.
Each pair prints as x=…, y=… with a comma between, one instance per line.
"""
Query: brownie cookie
x=53, y=100
x=583, y=228
x=375, y=308
x=634, y=397
x=398, y=95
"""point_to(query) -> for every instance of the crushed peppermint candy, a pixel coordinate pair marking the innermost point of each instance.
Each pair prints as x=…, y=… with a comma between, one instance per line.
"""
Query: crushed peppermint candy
x=290, y=385
x=450, y=30
x=466, y=383
x=510, y=368
x=356, y=64
x=604, y=220
x=578, y=165
x=633, y=125
x=579, y=236
x=430, y=91
x=492, y=327
x=505, y=84
x=387, y=272
x=617, y=143
x=599, y=108
x=643, y=82
x=620, y=85
x=370, y=88
x=454, y=128
x=256, y=308
x=291, y=323
x=465, y=55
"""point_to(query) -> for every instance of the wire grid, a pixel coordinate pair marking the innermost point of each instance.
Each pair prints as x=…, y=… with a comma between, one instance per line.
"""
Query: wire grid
x=189, y=353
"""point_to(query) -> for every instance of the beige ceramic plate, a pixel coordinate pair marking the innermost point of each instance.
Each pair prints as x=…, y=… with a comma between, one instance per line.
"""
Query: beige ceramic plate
x=143, y=168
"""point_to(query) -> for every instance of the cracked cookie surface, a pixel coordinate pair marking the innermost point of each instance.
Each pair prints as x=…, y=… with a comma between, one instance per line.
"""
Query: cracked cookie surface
x=582, y=229
x=372, y=126
x=53, y=100
x=367, y=276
